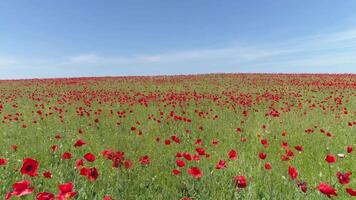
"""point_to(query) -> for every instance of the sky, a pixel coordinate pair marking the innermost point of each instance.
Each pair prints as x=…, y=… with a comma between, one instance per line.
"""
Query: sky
x=70, y=38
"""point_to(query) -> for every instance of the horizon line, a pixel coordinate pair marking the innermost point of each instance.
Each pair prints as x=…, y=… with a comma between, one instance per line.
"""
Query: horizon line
x=177, y=75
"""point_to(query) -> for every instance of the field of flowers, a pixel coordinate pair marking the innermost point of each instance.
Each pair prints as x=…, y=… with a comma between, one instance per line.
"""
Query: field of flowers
x=218, y=136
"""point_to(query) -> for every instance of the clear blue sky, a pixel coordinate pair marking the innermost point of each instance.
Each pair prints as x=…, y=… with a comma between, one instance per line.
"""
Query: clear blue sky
x=146, y=37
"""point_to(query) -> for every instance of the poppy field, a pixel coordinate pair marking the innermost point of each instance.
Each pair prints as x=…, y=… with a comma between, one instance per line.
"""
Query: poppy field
x=216, y=136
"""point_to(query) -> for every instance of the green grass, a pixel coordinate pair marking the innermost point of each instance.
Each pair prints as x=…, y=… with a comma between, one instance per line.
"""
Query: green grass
x=210, y=94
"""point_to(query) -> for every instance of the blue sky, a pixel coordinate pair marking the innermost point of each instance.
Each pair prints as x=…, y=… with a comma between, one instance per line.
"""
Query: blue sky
x=140, y=37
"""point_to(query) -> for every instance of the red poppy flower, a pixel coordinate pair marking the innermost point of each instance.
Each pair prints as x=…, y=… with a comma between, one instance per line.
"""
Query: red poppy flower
x=167, y=142
x=285, y=157
x=19, y=189
x=29, y=167
x=66, y=191
x=89, y=157
x=330, y=158
x=299, y=148
x=303, y=186
x=145, y=160
x=326, y=189
x=262, y=155
x=264, y=142
x=293, y=173
x=47, y=174
x=351, y=192
x=200, y=151
x=83, y=171
x=79, y=163
x=176, y=171
x=284, y=144
x=108, y=154
x=3, y=161
x=45, y=196
x=344, y=178
x=54, y=148
x=92, y=174
x=79, y=143
x=187, y=156
x=198, y=141
x=232, y=154
x=240, y=181
x=289, y=153
x=180, y=163
x=107, y=197
x=128, y=164
x=66, y=155
x=221, y=164
x=349, y=149
x=175, y=139
x=195, y=172
x=268, y=166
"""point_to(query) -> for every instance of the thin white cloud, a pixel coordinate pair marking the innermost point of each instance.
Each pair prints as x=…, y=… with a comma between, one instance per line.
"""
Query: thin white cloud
x=5, y=62
x=319, y=44
x=84, y=58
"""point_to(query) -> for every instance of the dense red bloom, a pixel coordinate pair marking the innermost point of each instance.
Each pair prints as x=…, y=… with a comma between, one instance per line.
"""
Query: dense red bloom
x=284, y=144
x=83, y=171
x=187, y=156
x=79, y=143
x=19, y=189
x=195, y=172
x=326, y=189
x=175, y=139
x=54, y=148
x=285, y=157
x=264, y=142
x=29, y=167
x=79, y=163
x=3, y=161
x=262, y=155
x=176, y=171
x=167, y=142
x=66, y=191
x=303, y=186
x=89, y=157
x=268, y=166
x=299, y=148
x=200, y=151
x=349, y=149
x=66, y=155
x=330, y=158
x=351, y=192
x=198, y=141
x=92, y=174
x=344, y=178
x=45, y=196
x=128, y=164
x=47, y=174
x=108, y=154
x=289, y=153
x=180, y=163
x=145, y=160
x=221, y=164
x=293, y=173
x=214, y=142
x=240, y=181
x=107, y=197
x=232, y=154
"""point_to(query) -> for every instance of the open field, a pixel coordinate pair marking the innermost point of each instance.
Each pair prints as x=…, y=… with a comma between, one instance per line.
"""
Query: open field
x=232, y=136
